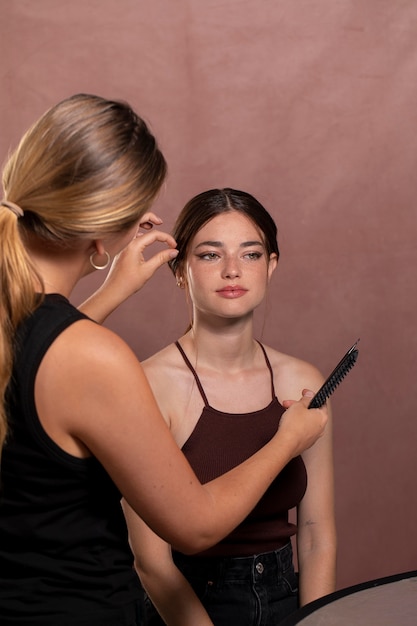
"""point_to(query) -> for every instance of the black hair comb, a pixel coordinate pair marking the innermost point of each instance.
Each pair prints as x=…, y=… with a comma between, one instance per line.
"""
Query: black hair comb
x=335, y=378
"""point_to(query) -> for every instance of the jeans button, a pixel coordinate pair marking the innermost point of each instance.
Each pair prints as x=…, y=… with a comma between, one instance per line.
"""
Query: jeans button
x=259, y=568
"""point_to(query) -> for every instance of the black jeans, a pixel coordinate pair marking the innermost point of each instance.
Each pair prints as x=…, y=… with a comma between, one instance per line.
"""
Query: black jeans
x=260, y=590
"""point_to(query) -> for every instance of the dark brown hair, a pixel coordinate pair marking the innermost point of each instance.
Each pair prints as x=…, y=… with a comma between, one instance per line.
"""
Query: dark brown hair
x=207, y=205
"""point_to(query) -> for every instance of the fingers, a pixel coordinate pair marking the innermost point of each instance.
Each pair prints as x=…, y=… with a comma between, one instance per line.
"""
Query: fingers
x=303, y=425
x=133, y=261
x=149, y=220
x=146, y=239
x=156, y=261
x=130, y=269
x=306, y=393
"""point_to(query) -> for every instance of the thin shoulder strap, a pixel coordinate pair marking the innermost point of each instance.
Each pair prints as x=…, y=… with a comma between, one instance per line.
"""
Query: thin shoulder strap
x=197, y=380
x=270, y=369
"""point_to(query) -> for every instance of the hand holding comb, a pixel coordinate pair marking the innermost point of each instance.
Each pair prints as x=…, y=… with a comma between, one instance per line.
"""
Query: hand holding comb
x=335, y=378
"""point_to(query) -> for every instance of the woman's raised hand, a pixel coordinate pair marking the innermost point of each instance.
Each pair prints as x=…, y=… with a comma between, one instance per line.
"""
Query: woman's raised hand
x=130, y=270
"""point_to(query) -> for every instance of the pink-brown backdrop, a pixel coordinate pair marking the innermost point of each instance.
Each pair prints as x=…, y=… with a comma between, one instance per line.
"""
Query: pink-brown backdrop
x=312, y=107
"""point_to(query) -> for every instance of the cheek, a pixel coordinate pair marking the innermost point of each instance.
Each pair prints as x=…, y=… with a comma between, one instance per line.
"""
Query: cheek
x=197, y=275
x=260, y=283
x=199, y=283
x=194, y=283
x=257, y=273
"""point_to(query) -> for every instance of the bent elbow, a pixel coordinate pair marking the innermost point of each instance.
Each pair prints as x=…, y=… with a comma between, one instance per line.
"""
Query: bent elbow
x=195, y=542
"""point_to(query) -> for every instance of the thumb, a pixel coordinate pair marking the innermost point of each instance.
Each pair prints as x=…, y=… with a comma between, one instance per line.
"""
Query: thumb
x=306, y=396
x=160, y=259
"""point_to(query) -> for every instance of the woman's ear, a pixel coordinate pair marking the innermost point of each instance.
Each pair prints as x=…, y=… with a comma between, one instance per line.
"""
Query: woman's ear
x=273, y=262
x=98, y=246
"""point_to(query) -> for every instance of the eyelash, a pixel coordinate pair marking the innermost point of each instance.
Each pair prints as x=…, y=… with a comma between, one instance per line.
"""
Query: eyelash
x=254, y=256
x=208, y=256
x=211, y=256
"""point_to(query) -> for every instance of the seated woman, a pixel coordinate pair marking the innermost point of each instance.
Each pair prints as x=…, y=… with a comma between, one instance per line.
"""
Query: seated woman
x=223, y=394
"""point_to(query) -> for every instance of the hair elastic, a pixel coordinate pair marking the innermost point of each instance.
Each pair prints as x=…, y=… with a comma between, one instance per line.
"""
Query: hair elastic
x=14, y=208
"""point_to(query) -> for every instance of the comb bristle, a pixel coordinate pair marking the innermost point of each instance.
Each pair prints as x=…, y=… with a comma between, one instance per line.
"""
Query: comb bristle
x=335, y=378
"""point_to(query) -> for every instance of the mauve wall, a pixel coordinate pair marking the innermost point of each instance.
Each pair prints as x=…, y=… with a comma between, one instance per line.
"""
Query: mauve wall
x=312, y=107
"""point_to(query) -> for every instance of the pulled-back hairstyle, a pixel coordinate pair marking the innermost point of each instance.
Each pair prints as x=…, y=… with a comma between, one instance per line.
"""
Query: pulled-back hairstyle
x=207, y=205
x=89, y=167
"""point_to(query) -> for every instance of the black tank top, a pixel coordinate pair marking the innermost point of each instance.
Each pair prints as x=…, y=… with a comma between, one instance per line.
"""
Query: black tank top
x=219, y=442
x=64, y=554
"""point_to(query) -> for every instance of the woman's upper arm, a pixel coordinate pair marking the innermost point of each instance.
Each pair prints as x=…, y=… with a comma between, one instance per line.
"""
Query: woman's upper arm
x=316, y=510
x=318, y=502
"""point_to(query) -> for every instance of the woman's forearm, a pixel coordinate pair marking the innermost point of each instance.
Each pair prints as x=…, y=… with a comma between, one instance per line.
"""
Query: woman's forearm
x=174, y=599
x=100, y=304
x=317, y=569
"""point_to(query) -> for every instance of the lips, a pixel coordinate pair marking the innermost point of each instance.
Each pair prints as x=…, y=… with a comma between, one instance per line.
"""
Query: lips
x=232, y=291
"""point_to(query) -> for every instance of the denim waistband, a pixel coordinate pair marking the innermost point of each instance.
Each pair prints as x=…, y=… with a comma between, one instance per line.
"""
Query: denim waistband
x=250, y=568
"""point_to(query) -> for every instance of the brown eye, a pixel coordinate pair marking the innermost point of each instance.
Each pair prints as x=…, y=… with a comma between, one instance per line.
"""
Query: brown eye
x=208, y=256
x=253, y=256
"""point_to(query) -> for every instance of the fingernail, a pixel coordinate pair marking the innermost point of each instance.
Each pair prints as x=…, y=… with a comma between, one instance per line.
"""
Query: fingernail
x=173, y=254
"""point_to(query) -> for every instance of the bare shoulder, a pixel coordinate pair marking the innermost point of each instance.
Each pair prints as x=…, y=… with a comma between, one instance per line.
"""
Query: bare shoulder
x=90, y=344
x=91, y=359
x=162, y=366
x=169, y=379
x=88, y=376
x=292, y=374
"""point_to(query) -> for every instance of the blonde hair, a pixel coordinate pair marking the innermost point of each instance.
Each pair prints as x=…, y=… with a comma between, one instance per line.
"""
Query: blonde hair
x=89, y=167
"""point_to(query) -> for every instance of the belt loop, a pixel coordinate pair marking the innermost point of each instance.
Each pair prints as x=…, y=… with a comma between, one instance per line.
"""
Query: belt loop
x=278, y=561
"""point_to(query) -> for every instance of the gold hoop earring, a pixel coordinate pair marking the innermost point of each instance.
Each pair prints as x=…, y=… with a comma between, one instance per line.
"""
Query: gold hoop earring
x=180, y=282
x=100, y=267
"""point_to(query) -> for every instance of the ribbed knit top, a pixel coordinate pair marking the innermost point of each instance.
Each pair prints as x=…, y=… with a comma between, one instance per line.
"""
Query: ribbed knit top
x=219, y=442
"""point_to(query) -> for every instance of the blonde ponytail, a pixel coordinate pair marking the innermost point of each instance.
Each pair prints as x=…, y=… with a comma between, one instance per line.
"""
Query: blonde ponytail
x=17, y=300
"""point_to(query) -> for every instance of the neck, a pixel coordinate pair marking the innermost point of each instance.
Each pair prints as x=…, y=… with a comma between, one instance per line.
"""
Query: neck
x=57, y=278
x=60, y=270
x=228, y=345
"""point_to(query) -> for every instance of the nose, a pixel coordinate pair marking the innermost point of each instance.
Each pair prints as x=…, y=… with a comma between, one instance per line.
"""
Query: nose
x=231, y=268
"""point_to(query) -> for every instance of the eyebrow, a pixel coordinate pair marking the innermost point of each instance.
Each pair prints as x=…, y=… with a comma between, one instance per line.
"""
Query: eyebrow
x=220, y=244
